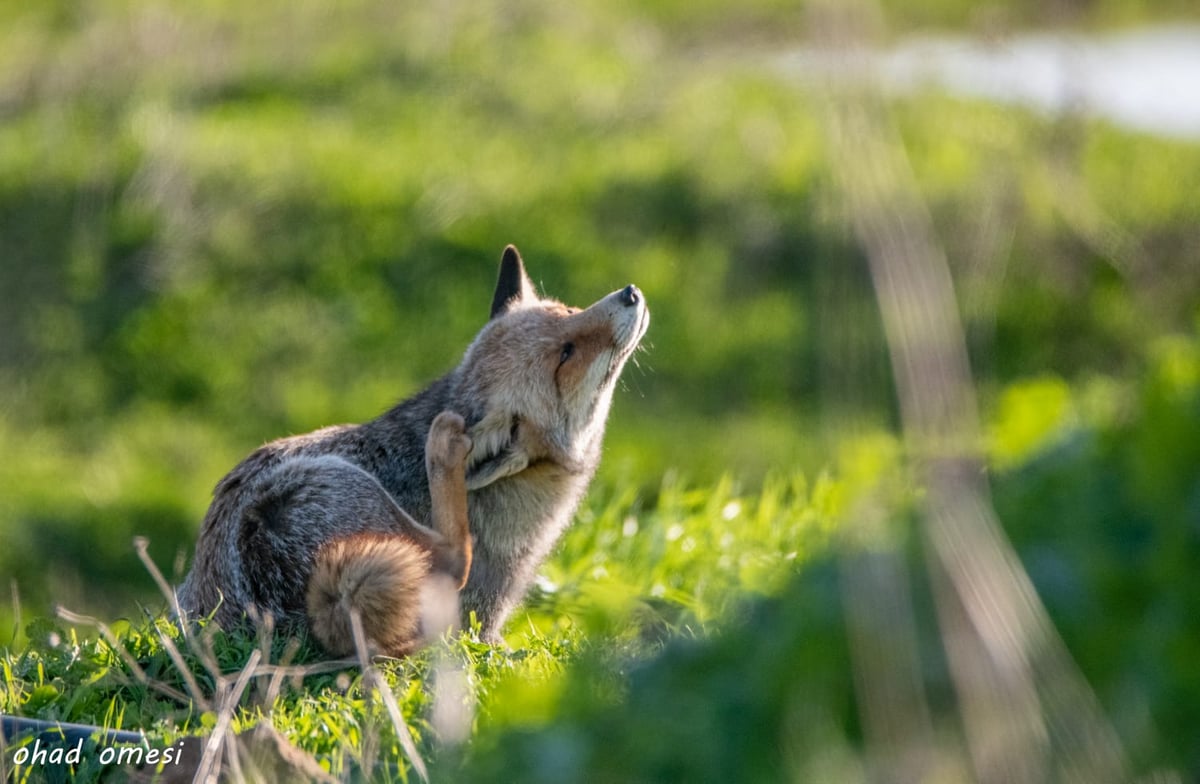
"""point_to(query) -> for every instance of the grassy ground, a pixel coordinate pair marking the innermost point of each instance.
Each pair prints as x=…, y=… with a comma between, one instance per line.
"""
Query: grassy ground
x=631, y=575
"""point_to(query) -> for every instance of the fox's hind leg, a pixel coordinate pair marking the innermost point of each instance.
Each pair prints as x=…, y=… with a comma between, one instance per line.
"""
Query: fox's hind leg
x=446, y=451
x=385, y=577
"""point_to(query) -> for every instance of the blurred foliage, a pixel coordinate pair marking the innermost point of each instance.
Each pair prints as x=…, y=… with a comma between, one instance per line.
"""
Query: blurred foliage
x=221, y=223
x=769, y=700
x=1106, y=518
x=1106, y=514
x=991, y=17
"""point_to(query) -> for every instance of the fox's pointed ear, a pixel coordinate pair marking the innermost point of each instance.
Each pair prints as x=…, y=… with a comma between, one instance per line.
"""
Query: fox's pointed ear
x=513, y=286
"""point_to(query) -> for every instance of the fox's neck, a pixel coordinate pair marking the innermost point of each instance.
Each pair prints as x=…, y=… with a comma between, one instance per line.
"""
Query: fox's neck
x=392, y=446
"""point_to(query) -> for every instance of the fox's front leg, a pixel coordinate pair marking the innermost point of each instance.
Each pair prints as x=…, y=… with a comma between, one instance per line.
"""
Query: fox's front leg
x=446, y=452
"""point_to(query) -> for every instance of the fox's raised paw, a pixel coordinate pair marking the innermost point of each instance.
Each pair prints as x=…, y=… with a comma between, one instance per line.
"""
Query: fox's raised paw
x=448, y=444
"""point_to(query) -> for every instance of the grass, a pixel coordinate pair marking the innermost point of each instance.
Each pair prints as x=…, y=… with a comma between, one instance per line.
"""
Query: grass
x=697, y=631
x=630, y=575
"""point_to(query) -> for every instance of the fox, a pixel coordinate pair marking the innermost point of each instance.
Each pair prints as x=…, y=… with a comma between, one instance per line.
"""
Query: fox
x=468, y=484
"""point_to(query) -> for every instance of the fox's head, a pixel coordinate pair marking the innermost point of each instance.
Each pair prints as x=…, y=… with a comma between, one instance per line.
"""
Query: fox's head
x=540, y=376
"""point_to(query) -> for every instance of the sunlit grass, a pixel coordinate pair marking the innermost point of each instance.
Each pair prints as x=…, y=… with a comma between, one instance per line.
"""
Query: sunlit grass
x=631, y=574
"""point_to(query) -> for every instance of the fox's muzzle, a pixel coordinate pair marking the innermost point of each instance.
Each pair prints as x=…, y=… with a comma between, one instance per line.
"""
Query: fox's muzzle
x=627, y=317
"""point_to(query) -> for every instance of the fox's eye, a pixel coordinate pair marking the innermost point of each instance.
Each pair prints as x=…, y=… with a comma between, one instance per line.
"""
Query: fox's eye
x=567, y=350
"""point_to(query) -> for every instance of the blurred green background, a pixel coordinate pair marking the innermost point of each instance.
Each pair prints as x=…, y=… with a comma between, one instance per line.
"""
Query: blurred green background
x=221, y=223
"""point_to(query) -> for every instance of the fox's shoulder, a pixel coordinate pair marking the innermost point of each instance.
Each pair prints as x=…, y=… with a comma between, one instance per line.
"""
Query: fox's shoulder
x=323, y=441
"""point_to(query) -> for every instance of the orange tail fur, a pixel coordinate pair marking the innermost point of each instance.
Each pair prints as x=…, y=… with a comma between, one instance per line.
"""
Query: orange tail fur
x=380, y=576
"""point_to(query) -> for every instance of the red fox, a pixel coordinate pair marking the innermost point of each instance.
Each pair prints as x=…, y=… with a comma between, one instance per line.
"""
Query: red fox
x=471, y=480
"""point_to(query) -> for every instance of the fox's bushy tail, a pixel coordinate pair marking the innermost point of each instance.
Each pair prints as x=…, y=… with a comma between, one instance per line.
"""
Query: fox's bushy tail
x=377, y=574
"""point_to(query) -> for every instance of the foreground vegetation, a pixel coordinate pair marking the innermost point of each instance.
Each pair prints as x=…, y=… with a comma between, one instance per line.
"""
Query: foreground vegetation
x=215, y=242
x=221, y=224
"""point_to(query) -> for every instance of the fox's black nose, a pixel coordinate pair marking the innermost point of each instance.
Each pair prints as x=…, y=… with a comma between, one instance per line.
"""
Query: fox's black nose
x=630, y=296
